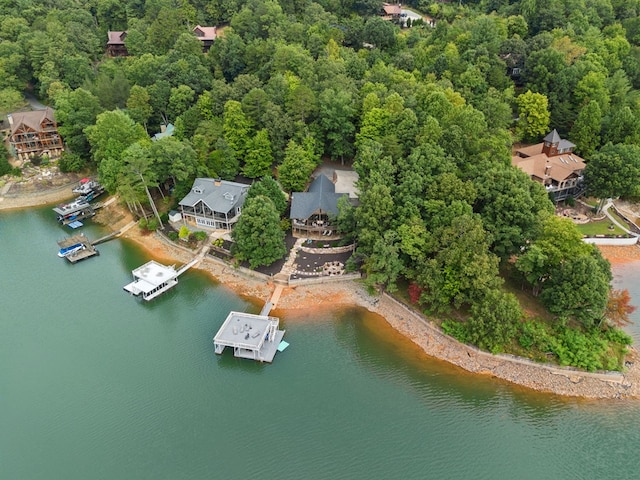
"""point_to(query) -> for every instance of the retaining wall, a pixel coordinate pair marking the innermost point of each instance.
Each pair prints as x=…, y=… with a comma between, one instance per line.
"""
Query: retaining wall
x=343, y=249
x=620, y=242
x=521, y=371
x=325, y=279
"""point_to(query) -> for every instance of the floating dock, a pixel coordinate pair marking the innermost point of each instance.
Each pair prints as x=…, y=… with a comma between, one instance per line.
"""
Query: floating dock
x=75, y=255
x=152, y=279
x=255, y=337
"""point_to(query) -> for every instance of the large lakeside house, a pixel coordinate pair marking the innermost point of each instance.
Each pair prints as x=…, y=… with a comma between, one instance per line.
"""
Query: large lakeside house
x=34, y=133
x=553, y=164
x=213, y=204
x=313, y=212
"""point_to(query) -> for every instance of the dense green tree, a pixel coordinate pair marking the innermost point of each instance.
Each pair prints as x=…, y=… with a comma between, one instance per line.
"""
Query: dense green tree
x=112, y=133
x=614, y=171
x=461, y=270
x=5, y=166
x=269, y=188
x=494, y=320
x=138, y=106
x=296, y=168
x=223, y=162
x=511, y=207
x=579, y=288
x=137, y=175
x=586, y=129
x=384, y=266
x=336, y=120
x=258, y=160
x=75, y=111
x=559, y=240
x=236, y=128
x=180, y=100
x=258, y=237
x=534, y=117
x=379, y=33
x=173, y=159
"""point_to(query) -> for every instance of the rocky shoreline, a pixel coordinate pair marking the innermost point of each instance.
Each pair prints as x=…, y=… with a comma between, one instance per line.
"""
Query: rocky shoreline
x=543, y=378
x=417, y=328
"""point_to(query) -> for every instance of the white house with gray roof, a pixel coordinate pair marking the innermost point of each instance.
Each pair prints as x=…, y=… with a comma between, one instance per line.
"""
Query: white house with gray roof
x=313, y=212
x=214, y=204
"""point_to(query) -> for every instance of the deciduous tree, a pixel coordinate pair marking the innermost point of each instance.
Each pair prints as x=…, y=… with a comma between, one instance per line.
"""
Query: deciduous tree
x=257, y=235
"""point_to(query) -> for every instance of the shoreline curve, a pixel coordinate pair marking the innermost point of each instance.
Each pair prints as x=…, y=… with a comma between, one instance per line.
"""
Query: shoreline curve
x=546, y=378
x=411, y=324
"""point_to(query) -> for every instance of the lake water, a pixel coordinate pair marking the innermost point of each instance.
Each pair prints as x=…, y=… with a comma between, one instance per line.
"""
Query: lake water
x=95, y=384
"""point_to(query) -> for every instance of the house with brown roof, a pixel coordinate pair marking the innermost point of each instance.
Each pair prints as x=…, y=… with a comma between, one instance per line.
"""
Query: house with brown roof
x=115, y=44
x=34, y=133
x=553, y=164
x=206, y=35
x=392, y=11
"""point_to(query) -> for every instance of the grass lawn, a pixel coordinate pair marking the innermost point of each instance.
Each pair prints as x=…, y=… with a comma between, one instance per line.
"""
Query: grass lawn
x=600, y=227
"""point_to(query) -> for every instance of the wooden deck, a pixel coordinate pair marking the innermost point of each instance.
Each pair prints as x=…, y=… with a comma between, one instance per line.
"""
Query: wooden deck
x=88, y=251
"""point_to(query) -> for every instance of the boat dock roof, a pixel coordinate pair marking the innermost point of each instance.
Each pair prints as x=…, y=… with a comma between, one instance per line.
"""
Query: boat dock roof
x=252, y=336
x=155, y=273
x=152, y=279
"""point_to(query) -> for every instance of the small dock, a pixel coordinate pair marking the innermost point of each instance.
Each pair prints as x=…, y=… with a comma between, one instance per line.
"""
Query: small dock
x=255, y=337
x=87, y=250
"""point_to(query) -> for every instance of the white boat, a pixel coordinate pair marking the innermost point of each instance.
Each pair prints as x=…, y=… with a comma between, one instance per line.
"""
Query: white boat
x=85, y=186
x=63, y=252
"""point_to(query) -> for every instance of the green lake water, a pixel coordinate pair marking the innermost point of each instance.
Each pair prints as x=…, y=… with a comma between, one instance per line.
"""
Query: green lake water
x=95, y=384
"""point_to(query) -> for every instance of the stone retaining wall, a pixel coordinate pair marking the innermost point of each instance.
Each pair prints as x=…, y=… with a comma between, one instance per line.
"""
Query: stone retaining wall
x=324, y=279
x=246, y=272
x=343, y=249
x=617, y=241
x=521, y=371
x=634, y=228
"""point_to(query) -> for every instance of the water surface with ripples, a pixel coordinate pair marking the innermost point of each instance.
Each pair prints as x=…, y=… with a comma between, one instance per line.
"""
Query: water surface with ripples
x=95, y=384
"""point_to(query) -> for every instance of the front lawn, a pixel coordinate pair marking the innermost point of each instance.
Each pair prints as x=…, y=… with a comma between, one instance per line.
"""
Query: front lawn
x=600, y=227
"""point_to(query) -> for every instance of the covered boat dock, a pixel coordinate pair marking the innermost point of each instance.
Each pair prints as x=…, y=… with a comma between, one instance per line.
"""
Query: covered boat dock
x=255, y=337
x=152, y=279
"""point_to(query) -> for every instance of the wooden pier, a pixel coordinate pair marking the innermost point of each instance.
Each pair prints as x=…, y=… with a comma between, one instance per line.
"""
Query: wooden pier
x=87, y=250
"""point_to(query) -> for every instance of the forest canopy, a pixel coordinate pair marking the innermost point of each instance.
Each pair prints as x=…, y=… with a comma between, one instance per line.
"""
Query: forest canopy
x=426, y=115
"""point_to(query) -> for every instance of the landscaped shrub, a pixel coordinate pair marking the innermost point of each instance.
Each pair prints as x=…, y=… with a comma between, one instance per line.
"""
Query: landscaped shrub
x=142, y=223
x=200, y=236
x=218, y=243
x=184, y=232
x=152, y=224
x=70, y=162
x=456, y=330
x=173, y=236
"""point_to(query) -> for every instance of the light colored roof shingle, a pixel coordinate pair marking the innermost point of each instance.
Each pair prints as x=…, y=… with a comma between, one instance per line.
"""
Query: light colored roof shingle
x=219, y=195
